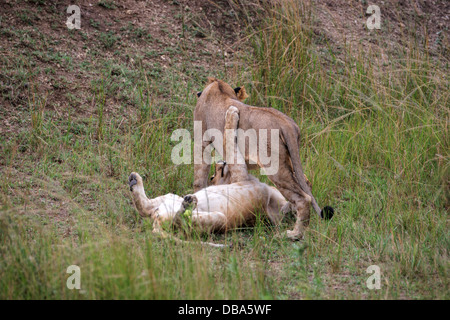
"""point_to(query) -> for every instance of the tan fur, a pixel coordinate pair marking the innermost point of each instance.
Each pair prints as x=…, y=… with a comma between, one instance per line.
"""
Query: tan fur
x=211, y=107
x=230, y=202
x=242, y=94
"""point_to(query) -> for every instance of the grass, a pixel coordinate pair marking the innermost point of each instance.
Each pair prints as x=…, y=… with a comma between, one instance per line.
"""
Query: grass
x=375, y=146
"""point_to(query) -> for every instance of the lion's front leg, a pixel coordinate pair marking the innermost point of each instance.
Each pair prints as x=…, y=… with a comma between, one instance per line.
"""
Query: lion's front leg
x=202, y=166
x=189, y=204
x=201, y=172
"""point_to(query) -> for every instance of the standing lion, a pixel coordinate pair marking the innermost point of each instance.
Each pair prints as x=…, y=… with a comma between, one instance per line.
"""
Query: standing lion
x=213, y=102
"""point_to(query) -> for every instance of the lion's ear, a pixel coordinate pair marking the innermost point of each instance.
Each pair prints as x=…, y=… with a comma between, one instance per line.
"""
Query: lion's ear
x=241, y=93
x=211, y=80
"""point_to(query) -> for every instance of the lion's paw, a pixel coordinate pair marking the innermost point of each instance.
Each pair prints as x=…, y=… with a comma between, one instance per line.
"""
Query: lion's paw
x=189, y=200
x=232, y=114
x=294, y=236
x=132, y=180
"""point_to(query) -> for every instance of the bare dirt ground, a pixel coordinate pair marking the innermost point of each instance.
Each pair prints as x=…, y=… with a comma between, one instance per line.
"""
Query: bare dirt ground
x=41, y=57
x=342, y=24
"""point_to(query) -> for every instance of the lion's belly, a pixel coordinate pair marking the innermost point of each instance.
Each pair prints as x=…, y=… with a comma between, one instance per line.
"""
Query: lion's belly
x=170, y=204
x=238, y=201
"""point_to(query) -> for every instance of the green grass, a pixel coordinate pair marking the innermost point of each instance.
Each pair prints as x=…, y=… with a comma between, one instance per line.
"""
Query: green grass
x=375, y=146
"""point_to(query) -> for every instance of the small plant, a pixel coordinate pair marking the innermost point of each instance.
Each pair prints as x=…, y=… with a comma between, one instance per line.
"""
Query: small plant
x=36, y=108
x=100, y=103
x=108, y=4
x=109, y=39
x=94, y=24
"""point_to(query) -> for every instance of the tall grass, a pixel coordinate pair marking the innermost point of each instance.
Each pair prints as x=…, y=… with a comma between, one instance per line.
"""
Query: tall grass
x=123, y=266
x=376, y=144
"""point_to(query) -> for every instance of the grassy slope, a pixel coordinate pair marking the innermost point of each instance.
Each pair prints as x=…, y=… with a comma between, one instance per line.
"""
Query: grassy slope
x=376, y=147
x=376, y=137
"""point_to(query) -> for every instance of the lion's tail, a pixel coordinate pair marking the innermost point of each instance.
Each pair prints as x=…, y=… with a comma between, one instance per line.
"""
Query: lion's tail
x=293, y=145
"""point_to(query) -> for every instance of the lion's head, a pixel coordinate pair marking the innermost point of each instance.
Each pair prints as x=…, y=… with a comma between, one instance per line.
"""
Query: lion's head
x=217, y=86
x=221, y=174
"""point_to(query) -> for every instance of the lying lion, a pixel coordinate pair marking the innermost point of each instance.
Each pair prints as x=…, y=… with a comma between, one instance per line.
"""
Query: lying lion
x=213, y=102
x=230, y=202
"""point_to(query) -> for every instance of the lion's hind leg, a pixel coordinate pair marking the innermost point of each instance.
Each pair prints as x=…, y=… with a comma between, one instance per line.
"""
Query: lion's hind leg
x=209, y=221
x=277, y=206
x=233, y=156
